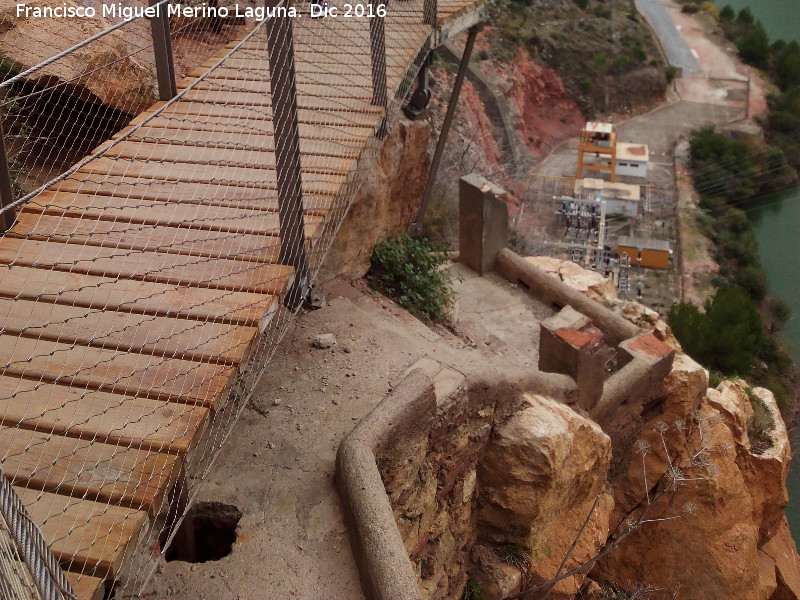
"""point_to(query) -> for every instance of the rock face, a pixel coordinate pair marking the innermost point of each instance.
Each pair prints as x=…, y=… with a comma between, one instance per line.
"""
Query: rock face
x=728, y=503
x=129, y=85
x=386, y=203
x=542, y=470
x=544, y=458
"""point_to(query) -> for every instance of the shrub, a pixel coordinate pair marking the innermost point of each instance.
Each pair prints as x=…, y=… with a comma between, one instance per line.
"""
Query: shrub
x=779, y=311
x=761, y=424
x=582, y=3
x=410, y=272
x=724, y=338
x=672, y=73
x=727, y=14
x=712, y=9
x=473, y=591
x=753, y=47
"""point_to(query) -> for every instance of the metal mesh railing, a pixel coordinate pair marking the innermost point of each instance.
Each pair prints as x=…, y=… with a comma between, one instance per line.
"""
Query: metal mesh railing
x=153, y=261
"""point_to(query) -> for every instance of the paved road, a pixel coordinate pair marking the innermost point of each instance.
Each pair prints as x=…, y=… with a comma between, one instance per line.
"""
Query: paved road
x=678, y=51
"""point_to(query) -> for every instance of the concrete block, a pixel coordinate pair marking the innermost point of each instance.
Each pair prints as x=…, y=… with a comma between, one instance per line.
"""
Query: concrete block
x=483, y=222
x=570, y=344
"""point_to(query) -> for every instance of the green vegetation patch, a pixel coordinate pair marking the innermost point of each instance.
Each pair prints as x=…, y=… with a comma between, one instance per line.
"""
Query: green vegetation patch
x=761, y=424
x=410, y=271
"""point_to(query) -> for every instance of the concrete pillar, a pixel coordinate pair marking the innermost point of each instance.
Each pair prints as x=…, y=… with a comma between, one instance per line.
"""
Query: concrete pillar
x=570, y=344
x=483, y=222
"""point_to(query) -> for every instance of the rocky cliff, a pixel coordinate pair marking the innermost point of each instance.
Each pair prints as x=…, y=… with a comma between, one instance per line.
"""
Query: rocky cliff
x=386, y=202
x=680, y=499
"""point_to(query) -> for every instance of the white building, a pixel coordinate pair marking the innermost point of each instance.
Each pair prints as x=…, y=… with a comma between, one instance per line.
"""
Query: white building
x=620, y=198
x=632, y=159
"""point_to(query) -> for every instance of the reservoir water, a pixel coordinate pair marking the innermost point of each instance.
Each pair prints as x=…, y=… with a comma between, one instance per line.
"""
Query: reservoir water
x=777, y=223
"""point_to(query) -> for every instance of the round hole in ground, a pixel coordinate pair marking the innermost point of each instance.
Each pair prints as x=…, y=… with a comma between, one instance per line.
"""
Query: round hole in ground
x=207, y=533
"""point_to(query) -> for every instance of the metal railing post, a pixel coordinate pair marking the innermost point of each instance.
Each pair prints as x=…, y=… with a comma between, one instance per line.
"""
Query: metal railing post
x=377, y=43
x=283, y=88
x=162, y=48
x=430, y=9
x=6, y=186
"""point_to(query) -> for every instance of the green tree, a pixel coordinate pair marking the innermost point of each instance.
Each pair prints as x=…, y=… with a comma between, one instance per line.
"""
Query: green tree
x=727, y=14
x=753, y=47
x=688, y=325
x=727, y=337
x=733, y=331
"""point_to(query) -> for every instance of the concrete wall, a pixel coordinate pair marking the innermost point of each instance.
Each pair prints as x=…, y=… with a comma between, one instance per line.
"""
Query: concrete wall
x=632, y=168
x=407, y=478
x=558, y=294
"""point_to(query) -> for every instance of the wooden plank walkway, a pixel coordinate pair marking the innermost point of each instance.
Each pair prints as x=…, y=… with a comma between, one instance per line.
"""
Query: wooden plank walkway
x=131, y=292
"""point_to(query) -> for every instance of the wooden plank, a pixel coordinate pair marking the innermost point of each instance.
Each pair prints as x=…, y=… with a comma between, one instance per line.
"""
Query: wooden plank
x=253, y=142
x=318, y=190
x=153, y=170
x=152, y=212
x=87, y=587
x=118, y=475
x=260, y=86
x=149, y=266
x=100, y=416
x=160, y=238
x=339, y=133
x=128, y=332
x=83, y=535
x=192, y=383
x=144, y=297
x=164, y=151
x=329, y=115
x=354, y=102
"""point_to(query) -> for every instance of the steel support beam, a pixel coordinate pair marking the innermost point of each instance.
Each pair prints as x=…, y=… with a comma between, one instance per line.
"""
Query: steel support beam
x=448, y=121
x=283, y=86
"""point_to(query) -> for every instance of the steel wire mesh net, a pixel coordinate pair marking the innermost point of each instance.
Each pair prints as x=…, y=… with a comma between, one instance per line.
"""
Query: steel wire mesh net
x=159, y=251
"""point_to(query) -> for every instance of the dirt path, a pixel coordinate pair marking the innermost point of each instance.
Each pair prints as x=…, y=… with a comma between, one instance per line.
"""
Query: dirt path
x=278, y=465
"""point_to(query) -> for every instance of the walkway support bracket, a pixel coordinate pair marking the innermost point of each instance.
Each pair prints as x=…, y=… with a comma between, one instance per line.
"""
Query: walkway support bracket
x=6, y=186
x=283, y=86
x=416, y=226
x=162, y=48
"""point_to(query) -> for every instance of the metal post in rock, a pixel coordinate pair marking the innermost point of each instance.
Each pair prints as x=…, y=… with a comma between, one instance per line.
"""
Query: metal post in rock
x=283, y=86
x=162, y=48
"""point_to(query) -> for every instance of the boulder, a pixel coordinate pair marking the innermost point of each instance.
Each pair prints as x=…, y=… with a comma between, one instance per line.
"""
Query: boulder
x=543, y=460
x=128, y=85
x=591, y=283
x=557, y=537
x=496, y=578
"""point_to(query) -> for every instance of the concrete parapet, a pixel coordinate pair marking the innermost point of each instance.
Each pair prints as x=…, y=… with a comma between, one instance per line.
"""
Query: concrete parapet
x=384, y=566
x=483, y=222
x=388, y=441
x=556, y=293
x=569, y=343
x=649, y=361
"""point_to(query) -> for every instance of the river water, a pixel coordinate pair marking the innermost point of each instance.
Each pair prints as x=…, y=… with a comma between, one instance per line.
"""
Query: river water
x=777, y=223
